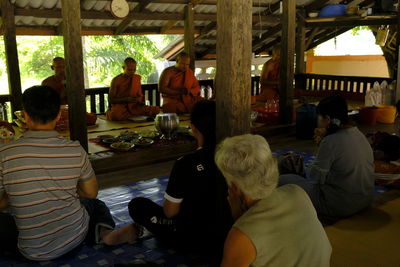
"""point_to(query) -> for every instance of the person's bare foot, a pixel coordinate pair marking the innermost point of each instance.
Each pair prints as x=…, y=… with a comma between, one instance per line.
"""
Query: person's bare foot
x=126, y=234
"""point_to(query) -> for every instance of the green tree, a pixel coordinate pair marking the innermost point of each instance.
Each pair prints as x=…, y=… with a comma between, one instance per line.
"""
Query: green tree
x=104, y=56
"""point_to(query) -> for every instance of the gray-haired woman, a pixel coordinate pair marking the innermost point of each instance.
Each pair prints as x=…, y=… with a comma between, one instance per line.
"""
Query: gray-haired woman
x=274, y=226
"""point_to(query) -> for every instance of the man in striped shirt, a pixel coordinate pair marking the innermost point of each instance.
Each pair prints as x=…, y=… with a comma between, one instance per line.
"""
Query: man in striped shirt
x=50, y=188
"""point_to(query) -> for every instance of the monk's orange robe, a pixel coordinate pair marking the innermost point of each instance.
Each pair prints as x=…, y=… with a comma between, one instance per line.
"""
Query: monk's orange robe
x=270, y=92
x=58, y=85
x=181, y=103
x=128, y=86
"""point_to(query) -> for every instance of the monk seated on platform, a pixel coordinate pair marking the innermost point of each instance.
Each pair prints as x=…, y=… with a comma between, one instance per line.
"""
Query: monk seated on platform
x=179, y=87
x=269, y=79
x=57, y=81
x=126, y=96
x=50, y=188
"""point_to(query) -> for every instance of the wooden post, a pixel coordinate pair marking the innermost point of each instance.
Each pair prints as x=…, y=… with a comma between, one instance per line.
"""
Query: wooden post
x=189, y=34
x=233, y=79
x=71, y=13
x=287, y=61
x=10, y=42
x=300, y=43
x=398, y=54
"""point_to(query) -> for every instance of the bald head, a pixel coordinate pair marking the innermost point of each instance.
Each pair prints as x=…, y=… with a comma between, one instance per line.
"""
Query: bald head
x=129, y=66
x=58, y=66
x=183, y=61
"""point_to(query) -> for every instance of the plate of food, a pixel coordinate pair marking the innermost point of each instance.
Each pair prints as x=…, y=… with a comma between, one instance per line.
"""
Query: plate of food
x=138, y=118
x=144, y=142
x=110, y=140
x=122, y=146
x=149, y=134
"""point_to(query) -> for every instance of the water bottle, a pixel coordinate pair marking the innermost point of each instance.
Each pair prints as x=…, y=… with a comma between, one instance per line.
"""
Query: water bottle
x=1, y=112
x=202, y=91
x=4, y=113
x=209, y=92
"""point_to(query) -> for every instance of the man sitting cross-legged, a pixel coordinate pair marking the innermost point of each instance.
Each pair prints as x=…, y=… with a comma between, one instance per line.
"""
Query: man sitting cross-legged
x=42, y=178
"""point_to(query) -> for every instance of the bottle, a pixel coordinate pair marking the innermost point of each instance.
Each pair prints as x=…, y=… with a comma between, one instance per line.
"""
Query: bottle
x=1, y=112
x=5, y=112
x=202, y=91
x=209, y=92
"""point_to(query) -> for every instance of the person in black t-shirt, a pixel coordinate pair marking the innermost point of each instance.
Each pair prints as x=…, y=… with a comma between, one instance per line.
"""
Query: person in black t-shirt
x=196, y=214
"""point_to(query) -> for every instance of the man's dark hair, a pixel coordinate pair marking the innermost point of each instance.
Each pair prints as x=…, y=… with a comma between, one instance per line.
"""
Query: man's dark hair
x=41, y=103
x=130, y=60
x=203, y=117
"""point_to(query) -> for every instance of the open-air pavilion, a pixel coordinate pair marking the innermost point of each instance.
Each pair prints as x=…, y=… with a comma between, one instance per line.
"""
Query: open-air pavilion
x=233, y=32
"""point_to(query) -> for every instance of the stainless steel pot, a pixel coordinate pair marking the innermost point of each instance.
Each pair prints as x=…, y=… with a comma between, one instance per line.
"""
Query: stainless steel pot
x=167, y=124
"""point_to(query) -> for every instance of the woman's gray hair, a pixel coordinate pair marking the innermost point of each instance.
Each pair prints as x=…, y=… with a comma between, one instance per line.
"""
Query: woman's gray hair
x=248, y=161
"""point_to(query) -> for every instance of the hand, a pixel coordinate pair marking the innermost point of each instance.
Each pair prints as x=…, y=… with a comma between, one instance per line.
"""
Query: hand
x=319, y=134
x=133, y=99
x=184, y=91
x=236, y=201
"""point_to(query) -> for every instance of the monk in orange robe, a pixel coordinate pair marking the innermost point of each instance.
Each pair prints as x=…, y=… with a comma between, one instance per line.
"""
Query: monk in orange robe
x=179, y=87
x=126, y=95
x=270, y=78
x=57, y=81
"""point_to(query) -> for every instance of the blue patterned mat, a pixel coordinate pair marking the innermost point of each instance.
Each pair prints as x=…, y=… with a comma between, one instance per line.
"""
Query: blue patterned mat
x=148, y=249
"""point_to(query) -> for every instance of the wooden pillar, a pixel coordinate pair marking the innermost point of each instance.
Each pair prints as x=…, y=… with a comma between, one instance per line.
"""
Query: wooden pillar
x=10, y=42
x=233, y=79
x=189, y=34
x=300, y=43
x=397, y=75
x=71, y=14
x=287, y=61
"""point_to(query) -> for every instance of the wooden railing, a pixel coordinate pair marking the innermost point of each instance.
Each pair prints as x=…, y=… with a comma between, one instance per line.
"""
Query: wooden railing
x=350, y=87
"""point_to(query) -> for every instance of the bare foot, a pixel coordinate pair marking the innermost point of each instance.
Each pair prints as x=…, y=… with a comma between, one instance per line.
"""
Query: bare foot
x=125, y=234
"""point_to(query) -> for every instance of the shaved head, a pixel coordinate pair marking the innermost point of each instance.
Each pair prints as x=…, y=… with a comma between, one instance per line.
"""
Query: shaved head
x=129, y=66
x=182, y=56
x=129, y=60
x=58, y=66
x=183, y=61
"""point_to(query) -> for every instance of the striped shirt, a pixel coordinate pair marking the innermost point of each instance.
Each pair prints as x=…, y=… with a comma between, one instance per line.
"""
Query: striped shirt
x=39, y=173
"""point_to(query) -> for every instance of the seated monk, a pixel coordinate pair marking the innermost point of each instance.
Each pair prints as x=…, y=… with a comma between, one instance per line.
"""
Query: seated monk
x=179, y=87
x=269, y=78
x=57, y=81
x=126, y=96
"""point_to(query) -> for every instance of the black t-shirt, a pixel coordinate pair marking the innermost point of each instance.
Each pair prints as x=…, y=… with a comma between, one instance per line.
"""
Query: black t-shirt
x=199, y=186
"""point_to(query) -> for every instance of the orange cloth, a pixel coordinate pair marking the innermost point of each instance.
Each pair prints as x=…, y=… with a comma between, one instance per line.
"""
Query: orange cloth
x=126, y=86
x=58, y=85
x=181, y=103
x=270, y=92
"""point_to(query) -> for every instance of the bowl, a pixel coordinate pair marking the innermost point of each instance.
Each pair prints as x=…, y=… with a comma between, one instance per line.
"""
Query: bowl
x=122, y=146
x=149, y=134
x=167, y=124
x=109, y=141
x=143, y=142
x=336, y=10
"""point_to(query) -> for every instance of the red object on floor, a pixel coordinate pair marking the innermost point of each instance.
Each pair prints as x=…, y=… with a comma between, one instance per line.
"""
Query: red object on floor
x=267, y=117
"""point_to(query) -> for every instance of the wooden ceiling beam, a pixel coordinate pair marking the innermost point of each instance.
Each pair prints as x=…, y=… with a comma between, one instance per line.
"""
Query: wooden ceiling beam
x=56, y=14
x=126, y=22
x=54, y=30
x=351, y=21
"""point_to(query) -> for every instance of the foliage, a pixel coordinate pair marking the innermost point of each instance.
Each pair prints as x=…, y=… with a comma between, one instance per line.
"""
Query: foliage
x=356, y=30
x=103, y=57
